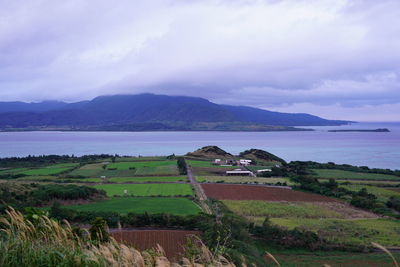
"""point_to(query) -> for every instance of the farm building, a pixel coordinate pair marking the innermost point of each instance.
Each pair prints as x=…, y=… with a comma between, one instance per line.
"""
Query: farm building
x=239, y=172
x=245, y=162
x=216, y=162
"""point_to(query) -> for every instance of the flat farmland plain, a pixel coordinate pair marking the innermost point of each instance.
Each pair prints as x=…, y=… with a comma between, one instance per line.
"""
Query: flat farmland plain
x=124, y=205
x=166, y=167
x=381, y=193
x=51, y=169
x=252, y=192
x=357, y=231
x=172, y=241
x=243, y=179
x=340, y=174
x=146, y=189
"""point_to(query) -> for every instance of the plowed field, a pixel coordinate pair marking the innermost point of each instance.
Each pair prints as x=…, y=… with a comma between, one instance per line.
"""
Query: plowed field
x=249, y=192
x=172, y=241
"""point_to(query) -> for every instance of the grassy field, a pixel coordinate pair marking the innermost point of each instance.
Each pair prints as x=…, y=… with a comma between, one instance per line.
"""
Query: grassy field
x=342, y=259
x=242, y=179
x=12, y=171
x=51, y=169
x=204, y=164
x=147, y=189
x=365, y=182
x=148, y=179
x=254, y=208
x=48, y=170
x=139, y=168
x=147, y=167
x=362, y=231
x=382, y=194
x=152, y=158
x=177, y=206
x=339, y=174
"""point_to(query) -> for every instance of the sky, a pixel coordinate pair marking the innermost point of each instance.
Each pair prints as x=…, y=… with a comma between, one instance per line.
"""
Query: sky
x=333, y=58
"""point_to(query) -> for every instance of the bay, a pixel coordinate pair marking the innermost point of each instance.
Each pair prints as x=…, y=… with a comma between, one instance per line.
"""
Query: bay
x=381, y=150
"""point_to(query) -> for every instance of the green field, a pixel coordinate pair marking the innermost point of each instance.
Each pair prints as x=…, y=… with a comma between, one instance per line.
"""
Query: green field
x=361, y=231
x=177, y=206
x=47, y=170
x=339, y=174
x=254, y=208
x=242, y=179
x=12, y=171
x=382, y=194
x=51, y=169
x=204, y=164
x=343, y=259
x=151, y=158
x=365, y=182
x=147, y=189
x=138, y=168
x=148, y=179
x=147, y=167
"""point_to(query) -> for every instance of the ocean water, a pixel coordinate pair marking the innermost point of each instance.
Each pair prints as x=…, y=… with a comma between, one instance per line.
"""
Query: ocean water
x=380, y=150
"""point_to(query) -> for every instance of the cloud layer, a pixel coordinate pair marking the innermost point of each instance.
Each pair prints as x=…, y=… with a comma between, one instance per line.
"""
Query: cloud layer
x=289, y=55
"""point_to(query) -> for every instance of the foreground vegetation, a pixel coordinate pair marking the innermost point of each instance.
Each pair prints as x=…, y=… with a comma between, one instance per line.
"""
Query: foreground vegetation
x=40, y=241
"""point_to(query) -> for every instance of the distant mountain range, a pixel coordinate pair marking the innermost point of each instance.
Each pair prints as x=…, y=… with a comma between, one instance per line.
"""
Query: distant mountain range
x=149, y=112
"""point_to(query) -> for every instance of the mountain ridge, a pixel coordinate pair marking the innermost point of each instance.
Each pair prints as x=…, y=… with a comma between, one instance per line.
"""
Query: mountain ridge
x=175, y=112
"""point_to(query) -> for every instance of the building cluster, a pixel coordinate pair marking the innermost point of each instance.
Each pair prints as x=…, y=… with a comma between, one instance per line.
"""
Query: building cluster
x=239, y=171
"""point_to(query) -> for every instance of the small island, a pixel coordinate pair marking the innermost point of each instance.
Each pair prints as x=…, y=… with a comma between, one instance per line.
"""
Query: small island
x=380, y=130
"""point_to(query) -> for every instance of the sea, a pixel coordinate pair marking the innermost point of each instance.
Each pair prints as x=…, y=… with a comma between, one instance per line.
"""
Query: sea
x=372, y=149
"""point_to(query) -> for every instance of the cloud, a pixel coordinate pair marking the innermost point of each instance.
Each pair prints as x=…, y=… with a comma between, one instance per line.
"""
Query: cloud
x=270, y=54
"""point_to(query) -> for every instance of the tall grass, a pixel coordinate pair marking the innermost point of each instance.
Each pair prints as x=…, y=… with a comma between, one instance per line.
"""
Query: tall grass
x=45, y=242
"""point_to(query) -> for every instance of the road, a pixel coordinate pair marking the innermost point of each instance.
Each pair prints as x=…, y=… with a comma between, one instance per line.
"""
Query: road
x=198, y=190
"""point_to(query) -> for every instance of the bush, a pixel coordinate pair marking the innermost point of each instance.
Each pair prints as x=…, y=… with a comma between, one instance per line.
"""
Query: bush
x=181, y=166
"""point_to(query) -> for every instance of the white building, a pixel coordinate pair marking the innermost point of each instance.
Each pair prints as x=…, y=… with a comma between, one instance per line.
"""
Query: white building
x=245, y=162
x=216, y=162
x=264, y=170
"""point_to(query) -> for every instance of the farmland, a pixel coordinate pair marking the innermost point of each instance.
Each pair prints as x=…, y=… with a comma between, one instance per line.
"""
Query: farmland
x=305, y=258
x=47, y=170
x=51, y=169
x=147, y=167
x=127, y=169
x=255, y=208
x=243, y=179
x=340, y=174
x=249, y=192
x=146, y=189
x=172, y=241
x=177, y=206
x=379, y=183
x=360, y=231
x=382, y=193
x=205, y=164
x=240, y=203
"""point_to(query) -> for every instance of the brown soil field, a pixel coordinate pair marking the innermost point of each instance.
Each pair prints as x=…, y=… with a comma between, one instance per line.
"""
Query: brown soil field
x=249, y=192
x=172, y=241
x=211, y=171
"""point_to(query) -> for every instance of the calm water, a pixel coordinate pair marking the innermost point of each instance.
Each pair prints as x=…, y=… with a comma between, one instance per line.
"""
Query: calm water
x=371, y=149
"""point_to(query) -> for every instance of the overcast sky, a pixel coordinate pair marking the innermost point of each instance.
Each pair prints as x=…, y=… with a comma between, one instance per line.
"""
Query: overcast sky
x=337, y=59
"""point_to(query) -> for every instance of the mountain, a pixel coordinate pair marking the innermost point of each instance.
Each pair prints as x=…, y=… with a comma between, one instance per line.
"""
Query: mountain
x=30, y=107
x=149, y=112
